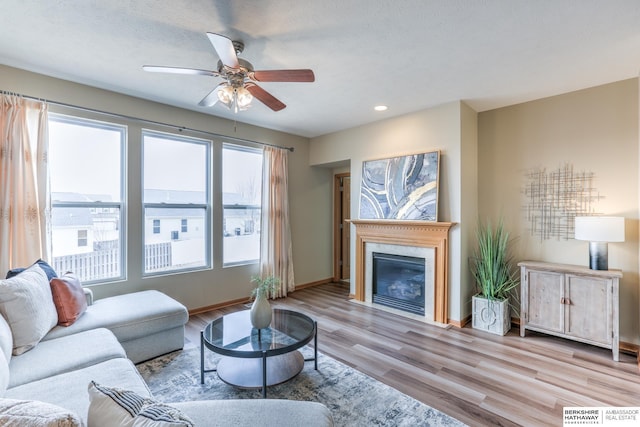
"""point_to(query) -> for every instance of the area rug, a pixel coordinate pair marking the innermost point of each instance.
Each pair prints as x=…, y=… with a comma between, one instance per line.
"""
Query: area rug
x=354, y=399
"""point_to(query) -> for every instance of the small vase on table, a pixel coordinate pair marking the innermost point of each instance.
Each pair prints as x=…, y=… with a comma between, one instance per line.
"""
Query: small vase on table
x=261, y=311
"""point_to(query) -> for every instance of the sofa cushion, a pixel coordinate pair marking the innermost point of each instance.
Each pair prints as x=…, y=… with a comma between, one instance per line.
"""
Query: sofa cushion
x=111, y=406
x=256, y=412
x=6, y=338
x=69, y=298
x=6, y=346
x=43, y=265
x=27, y=305
x=4, y=374
x=64, y=354
x=154, y=345
x=69, y=390
x=129, y=316
x=32, y=413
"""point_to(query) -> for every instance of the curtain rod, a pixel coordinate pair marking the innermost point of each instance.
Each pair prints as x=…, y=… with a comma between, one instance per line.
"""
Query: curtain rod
x=138, y=119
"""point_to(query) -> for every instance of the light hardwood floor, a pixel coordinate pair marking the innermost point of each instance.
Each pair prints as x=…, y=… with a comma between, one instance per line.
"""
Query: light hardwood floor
x=476, y=377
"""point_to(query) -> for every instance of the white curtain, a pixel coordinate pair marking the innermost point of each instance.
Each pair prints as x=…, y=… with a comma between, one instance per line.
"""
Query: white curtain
x=276, y=256
x=24, y=180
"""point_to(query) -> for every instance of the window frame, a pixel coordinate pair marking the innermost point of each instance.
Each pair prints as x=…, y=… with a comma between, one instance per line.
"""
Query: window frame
x=121, y=205
x=207, y=206
x=237, y=147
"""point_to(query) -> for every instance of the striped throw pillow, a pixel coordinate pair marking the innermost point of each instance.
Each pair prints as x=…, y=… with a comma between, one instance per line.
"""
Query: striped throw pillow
x=111, y=406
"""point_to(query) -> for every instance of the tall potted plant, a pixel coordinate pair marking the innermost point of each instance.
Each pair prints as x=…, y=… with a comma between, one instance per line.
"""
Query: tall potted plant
x=496, y=277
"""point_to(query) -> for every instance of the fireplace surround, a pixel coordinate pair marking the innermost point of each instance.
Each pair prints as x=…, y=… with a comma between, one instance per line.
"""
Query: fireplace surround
x=415, y=234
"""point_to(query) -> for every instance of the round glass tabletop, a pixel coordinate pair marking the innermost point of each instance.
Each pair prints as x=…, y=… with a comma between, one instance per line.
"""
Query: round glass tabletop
x=233, y=335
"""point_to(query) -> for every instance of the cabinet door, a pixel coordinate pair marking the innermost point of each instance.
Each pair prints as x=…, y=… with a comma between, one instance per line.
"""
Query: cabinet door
x=588, y=308
x=545, y=292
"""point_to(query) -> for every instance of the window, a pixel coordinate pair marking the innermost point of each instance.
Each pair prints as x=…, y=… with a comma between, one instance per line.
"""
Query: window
x=241, y=198
x=82, y=238
x=183, y=225
x=176, y=175
x=86, y=159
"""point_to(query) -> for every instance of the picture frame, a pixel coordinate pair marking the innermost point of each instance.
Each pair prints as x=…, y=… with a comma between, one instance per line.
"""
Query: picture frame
x=401, y=188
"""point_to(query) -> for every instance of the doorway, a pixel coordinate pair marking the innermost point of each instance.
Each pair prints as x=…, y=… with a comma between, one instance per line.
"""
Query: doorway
x=341, y=228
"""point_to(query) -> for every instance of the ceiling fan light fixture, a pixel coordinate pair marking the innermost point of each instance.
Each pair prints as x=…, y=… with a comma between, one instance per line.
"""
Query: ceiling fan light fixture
x=225, y=95
x=235, y=98
x=243, y=98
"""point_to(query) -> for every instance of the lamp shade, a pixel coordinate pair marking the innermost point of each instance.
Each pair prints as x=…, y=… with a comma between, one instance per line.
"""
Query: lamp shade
x=599, y=228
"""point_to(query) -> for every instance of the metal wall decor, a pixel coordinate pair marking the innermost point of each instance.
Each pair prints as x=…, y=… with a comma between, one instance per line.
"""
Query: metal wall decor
x=403, y=187
x=555, y=198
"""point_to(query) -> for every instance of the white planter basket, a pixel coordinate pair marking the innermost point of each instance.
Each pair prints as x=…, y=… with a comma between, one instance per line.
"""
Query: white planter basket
x=491, y=315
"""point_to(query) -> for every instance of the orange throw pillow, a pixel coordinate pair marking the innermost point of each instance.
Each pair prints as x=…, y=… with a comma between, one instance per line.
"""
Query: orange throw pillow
x=69, y=298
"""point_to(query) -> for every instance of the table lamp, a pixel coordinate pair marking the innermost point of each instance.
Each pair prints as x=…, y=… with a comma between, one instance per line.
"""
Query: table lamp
x=599, y=231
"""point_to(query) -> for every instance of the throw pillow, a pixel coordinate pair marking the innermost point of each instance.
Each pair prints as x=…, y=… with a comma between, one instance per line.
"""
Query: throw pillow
x=31, y=413
x=27, y=306
x=110, y=406
x=43, y=264
x=68, y=297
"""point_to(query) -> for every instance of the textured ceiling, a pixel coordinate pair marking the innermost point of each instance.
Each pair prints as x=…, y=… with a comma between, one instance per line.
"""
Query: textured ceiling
x=407, y=54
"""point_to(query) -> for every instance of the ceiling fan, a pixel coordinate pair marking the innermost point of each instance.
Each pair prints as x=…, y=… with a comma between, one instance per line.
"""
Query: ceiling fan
x=239, y=86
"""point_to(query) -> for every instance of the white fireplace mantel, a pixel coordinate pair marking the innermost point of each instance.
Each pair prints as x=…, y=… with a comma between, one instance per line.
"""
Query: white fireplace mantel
x=409, y=233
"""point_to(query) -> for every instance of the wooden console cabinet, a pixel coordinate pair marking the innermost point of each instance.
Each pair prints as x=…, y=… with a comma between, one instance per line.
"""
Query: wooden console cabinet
x=571, y=302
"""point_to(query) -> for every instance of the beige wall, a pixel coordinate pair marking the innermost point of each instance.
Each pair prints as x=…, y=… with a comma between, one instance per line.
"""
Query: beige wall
x=450, y=128
x=468, y=204
x=310, y=192
x=595, y=130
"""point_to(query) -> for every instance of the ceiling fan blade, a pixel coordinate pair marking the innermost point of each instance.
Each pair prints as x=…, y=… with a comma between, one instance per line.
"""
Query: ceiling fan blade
x=179, y=70
x=283, y=76
x=211, y=98
x=225, y=49
x=265, y=97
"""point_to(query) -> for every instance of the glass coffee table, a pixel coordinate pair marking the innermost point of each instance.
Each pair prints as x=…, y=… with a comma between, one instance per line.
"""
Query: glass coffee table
x=258, y=358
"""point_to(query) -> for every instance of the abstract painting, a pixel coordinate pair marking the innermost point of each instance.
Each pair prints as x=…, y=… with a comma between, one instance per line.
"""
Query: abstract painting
x=403, y=187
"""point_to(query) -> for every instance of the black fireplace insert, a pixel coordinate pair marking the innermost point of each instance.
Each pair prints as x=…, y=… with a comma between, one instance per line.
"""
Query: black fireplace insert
x=398, y=282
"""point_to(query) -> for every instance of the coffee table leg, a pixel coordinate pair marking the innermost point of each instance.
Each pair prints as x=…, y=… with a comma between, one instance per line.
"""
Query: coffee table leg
x=201, y=357
x=264, y=374
x=315, y=345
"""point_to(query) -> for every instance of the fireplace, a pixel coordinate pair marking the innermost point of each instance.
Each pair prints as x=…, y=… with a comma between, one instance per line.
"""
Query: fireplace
x=420, y=239
x=398, y=282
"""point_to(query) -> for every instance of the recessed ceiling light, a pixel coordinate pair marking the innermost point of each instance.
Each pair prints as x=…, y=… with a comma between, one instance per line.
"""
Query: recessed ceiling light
x=380, y=108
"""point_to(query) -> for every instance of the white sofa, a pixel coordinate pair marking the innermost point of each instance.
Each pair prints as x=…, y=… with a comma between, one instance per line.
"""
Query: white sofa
x=102, y=346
